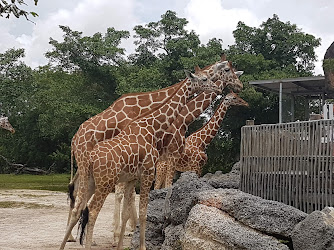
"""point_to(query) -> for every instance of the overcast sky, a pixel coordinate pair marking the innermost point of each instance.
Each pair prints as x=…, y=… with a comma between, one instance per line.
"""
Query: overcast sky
x=209, y=18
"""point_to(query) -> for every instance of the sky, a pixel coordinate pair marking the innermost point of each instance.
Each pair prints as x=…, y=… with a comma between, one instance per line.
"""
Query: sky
x=209, y=19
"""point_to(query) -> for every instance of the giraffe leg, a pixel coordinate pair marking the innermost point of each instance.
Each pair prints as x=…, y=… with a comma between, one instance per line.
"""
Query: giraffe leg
x=94, y=209
x=72, y=194
x=73, y=186
x=118, y=199
x=126, y=210
x=79, y=204
x=160, y=174
x=169, y=175
x=145, y=185
x=158, y=180
x=133, y=211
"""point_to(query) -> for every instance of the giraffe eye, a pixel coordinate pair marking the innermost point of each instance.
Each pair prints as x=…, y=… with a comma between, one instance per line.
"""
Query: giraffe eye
x=204, y=79
x=227, y=69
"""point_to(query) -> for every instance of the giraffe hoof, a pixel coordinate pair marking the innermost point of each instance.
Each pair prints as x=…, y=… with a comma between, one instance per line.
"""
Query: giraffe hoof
x=71, y=239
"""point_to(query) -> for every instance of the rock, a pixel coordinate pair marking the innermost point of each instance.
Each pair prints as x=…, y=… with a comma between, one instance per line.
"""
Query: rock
x=210, y=228
x=173, y=235
x=236, y=168
x=229, y=180
x=315, y=232
x=267, y=216
x=220, y=180
x=155, y=222
x=183, y=196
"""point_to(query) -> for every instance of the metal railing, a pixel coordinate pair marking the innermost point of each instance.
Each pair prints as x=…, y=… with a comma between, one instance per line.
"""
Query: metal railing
x=290, y=162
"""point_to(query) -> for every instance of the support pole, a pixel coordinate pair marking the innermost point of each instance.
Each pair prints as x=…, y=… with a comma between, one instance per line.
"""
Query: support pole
x=280, y=102
x=292, y=108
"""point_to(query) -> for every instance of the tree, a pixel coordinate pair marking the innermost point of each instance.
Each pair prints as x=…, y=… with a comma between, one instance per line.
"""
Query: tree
x=98, y=57
x=282, y=43
x=167, y=46
x=6, y=9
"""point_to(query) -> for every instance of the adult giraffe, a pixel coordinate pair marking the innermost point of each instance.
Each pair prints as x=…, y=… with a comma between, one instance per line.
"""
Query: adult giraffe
x=5, y=124
x=111, y=121
x=140, y=138
x=194, y=156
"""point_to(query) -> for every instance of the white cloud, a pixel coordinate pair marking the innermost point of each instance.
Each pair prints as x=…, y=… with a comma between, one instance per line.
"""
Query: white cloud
x=210, y=19
x=87, y=16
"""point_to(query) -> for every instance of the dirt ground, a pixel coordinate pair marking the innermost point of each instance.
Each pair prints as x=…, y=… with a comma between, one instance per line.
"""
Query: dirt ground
x=34, y=219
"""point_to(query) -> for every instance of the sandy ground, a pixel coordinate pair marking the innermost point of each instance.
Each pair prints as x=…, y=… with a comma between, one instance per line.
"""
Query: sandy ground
x=37, y=220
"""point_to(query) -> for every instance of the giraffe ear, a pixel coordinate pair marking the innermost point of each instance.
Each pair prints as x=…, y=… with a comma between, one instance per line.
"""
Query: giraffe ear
x=189, y=74
x=238, y=73
x=197, y=69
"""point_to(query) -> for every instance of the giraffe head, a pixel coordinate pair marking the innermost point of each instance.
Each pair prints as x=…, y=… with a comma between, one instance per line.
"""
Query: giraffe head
x=223, y=74
x=200, y=81
x=4, y=123
x=233, y=99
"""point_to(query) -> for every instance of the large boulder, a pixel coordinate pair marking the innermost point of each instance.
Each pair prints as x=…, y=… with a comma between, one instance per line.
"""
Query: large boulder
x=220, y=180
x=183, y=196
x=173, y=236
x=210, y=228
x=270, y=217
x=228, y=180
x=315, y=232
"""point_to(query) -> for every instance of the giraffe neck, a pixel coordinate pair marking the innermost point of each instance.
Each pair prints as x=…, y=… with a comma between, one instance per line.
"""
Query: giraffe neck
x=158, y=120
x=205, y=135
x=176, y=132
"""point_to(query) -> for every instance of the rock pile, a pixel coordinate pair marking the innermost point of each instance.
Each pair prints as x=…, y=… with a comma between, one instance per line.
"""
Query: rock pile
x=211, y=213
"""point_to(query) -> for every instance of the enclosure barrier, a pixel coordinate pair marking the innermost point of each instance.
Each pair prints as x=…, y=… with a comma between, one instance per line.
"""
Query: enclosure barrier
x=290, y=163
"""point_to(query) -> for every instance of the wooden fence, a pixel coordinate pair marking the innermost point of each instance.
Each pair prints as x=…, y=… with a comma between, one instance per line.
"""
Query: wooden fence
x=290, y=162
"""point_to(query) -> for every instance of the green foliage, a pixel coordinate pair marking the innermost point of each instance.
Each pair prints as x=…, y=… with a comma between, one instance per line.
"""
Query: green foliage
x=14, y=8
x=281, y=42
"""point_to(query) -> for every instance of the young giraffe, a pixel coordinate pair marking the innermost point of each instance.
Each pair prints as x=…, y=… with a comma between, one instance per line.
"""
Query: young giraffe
x=108, y=124
x=194, y=157
x=140, y=138
x=5, y=124
x=189, y=113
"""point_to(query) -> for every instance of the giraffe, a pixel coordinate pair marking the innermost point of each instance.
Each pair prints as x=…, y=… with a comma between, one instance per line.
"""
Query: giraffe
x=111, y=121
x=139, y=139
x=190, y=112
x=5, y=124
x=108, y=124
x=194, y=157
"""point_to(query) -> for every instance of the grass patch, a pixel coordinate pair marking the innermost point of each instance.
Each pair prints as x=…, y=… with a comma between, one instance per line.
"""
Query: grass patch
x=54, y=182
x=17, y=204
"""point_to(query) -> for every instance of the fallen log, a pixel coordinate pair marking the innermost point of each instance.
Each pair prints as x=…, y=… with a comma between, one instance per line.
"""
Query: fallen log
x=24, y=169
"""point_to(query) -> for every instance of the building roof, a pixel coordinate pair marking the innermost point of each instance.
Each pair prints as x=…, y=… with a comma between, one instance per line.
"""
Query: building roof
x=312, y=86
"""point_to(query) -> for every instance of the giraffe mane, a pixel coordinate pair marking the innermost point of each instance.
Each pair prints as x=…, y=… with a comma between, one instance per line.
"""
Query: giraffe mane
x=154, y=91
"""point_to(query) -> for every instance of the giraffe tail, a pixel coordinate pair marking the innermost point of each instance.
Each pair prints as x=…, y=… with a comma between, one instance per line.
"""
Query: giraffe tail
x=82, y=223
